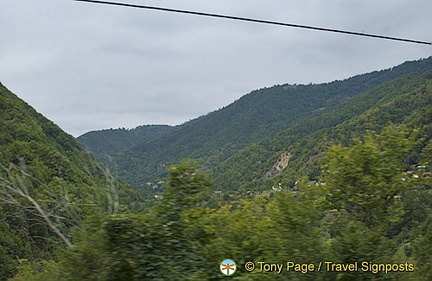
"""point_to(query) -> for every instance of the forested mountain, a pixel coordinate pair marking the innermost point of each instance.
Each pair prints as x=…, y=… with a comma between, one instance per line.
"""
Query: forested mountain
x=257, y=116
x=48, y=185
x=106, y=143
x=347, y=187
x=298, y=151
x=367, y=219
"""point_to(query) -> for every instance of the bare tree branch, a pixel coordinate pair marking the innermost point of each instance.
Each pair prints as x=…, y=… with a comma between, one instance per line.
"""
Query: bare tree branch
x=15, y=188
x=53, y=207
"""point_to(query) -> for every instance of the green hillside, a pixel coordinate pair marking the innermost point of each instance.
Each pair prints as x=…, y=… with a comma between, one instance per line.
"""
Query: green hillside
x=368, y=218
x=255, y=117
x=407, y=100
x=105, y=143
x=48, y=185
x=355, y=192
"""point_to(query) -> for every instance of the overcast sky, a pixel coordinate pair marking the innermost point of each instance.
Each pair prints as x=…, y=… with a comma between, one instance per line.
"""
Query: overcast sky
x=88, y=67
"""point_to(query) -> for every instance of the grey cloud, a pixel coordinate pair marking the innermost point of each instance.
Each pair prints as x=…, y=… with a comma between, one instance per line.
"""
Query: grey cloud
x=90, y=67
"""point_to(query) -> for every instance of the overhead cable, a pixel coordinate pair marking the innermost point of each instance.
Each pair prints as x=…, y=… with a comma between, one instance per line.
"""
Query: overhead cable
x=256, y=21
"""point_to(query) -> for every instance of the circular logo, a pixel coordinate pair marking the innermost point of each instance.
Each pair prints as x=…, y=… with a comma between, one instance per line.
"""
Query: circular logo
x=228, y=267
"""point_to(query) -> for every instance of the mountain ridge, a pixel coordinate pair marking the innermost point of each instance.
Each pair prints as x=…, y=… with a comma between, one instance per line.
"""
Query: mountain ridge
x=256, y=116
x=48, y=185
x=396, y=102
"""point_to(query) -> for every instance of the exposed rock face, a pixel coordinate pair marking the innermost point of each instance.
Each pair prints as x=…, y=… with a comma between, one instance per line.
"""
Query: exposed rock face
x=279, y=166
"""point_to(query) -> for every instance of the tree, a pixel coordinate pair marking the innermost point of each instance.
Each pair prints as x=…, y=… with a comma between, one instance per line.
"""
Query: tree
x=177, y=211
x=15, y=191
x=364, y=181
x=186, y=188
x=151, y=246
x=364, y=188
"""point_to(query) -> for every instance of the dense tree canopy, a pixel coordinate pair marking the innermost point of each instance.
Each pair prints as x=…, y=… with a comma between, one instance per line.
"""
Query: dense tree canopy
x=48, y=185
x=358, y=213
x=258, y=116
x=346, y=189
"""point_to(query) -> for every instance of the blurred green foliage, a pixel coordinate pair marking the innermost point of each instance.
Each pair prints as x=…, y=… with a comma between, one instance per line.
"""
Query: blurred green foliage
x=358, y=212
x=51, y=168
x=356, y=188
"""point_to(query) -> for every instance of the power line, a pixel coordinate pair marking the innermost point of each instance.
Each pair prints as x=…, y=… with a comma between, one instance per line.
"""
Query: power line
x=257, y=21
